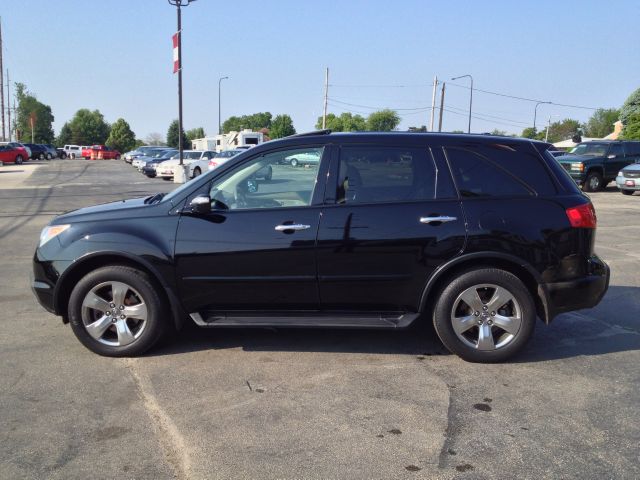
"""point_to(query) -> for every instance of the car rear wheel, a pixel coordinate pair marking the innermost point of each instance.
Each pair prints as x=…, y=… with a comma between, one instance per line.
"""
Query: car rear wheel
x=116, y=311
x=485, y=315
x=593, y=182
x=196, y=172
x=294, y=162
x=49, y=156
x=19, y=160
x=627, y=192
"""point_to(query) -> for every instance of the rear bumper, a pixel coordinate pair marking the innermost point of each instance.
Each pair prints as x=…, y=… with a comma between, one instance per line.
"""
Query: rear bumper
x=584, y=292
x=622, y=184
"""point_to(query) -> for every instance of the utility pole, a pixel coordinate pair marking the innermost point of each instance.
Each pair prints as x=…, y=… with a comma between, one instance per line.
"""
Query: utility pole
x=546, y=135
x=219, y=115
x=9, y=106
x=326, y=98
x=441, y=107
x=433, y=102
x=2, y=86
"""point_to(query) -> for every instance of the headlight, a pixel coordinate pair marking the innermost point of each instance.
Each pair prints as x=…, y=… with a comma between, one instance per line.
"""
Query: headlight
x=577, y=166
x=50, y=232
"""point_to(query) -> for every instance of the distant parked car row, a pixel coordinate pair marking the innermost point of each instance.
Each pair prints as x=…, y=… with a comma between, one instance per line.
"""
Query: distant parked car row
x=596, y=163
x=33, y=151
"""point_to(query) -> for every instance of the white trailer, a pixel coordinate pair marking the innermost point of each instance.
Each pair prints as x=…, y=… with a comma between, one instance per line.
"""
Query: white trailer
x=228, y=141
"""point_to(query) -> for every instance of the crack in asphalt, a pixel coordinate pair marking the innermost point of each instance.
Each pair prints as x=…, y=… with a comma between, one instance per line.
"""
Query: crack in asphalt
x=170, y=438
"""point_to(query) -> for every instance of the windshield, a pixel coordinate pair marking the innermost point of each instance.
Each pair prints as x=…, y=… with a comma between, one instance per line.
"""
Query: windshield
x=590, y=148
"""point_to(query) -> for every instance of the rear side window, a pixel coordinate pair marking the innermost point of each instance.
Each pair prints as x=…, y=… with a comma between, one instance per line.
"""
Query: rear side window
x=370, y=174
x=477, y=176
x=616, y=149
x=633, y=148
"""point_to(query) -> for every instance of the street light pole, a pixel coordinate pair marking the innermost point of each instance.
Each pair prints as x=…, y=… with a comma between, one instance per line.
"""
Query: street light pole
x=178, y=4
x=535, y=113
x=470, y=97
x=219, y=117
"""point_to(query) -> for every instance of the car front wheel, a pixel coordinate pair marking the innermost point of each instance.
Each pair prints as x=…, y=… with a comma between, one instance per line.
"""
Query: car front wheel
x=485, y=315
x=593, y=182
x=19, y=160
x=116, y=311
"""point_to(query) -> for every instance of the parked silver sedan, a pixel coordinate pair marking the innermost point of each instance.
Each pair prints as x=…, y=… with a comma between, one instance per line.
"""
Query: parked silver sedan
x=628, y=179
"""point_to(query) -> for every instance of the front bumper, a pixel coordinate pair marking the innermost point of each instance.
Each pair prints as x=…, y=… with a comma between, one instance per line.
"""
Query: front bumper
x=580, y=293
x=625, y=183
x=42, y=286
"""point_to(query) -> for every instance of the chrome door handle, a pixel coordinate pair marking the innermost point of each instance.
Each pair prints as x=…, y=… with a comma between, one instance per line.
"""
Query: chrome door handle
x=441, y=219
x=295, y=226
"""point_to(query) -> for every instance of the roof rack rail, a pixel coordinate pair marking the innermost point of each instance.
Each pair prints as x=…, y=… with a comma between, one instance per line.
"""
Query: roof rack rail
x=326, y=131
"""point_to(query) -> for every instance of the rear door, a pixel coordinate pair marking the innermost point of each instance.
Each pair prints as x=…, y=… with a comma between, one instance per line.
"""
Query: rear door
x=392, y=218
x=615, y=160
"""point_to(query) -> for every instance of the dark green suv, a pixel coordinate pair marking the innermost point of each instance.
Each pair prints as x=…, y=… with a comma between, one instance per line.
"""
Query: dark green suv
x=596, y=163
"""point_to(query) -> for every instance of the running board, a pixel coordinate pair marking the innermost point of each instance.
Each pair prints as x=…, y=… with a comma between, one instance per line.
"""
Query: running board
x=304, y=319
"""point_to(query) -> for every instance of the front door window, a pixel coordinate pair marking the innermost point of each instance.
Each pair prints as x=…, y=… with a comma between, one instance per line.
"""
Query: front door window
x=269, y=181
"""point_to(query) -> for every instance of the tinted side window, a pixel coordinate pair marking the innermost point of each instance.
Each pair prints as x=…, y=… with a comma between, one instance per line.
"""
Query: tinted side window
x=476, y=176
x=521, y=162
x=616, y=149
x=370, y=174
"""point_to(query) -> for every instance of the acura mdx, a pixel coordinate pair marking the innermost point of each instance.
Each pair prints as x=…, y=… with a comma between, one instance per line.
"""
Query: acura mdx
x=479, y=234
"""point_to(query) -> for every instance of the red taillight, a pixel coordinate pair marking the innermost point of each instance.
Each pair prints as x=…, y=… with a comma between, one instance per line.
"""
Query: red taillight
x=582, y=216
x=212, y=164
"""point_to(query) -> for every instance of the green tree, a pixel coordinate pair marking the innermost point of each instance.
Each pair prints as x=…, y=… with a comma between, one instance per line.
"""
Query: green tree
x=254, y=122
x=64, y=137
x=154, y=138
x=529, y=132
x=601, y=122
x=281, y=126
x=173, y=139
x=631, y=130
x=346, y=122
x=33, y=114
x=195, y=133
x=121, y=137
x=561, y=130
x=383, y=121
x=630, y=106
x=501, y=133
x=89, y=128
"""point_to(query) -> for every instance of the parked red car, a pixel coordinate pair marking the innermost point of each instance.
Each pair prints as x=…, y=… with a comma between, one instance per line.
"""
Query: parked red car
x=100, y=152
x=12, y=154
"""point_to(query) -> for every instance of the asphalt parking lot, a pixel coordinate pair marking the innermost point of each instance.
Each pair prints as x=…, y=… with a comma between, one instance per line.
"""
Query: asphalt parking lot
x=308, y=404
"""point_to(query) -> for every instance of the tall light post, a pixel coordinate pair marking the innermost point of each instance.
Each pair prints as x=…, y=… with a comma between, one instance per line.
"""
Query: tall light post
x=535, y=113
x=179, y=4
x=219, y=116
x=470, y=97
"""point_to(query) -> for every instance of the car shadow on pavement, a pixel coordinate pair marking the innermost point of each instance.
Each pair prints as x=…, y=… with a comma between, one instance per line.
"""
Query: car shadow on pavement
x=588, y=332
x=418, y=340
x=609, y=327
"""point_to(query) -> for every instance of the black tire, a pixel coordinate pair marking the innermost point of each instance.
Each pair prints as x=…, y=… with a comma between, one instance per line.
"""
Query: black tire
x=19, y=160
x=157, y=320
x=41, y=156
x=167, y=178
x=117, y=157
x=593, y=182
x=627, y=192
x=72, y=156
x=63, y=156
x=294, y=162
x=49, y=156
x=196, y=172
x=445, y=304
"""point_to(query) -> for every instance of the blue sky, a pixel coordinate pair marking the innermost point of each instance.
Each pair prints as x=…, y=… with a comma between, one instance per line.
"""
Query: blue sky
x=116, y=56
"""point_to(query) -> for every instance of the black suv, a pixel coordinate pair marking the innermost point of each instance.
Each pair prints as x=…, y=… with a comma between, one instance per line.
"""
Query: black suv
x=37, y=151
x=596, y=163
x=481, y=234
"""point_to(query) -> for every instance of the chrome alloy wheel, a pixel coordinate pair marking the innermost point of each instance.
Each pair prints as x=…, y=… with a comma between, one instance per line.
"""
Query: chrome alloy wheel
x=114, y=314
x=486, y=317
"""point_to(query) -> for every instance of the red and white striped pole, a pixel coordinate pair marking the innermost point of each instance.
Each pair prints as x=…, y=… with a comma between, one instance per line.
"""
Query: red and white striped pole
x=176, y=52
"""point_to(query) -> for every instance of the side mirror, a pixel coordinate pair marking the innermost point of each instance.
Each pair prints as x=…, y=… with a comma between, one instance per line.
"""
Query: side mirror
x=201, y=204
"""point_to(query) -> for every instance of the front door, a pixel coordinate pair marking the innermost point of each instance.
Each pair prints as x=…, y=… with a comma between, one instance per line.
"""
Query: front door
x=396, y=218
x=256, y=249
